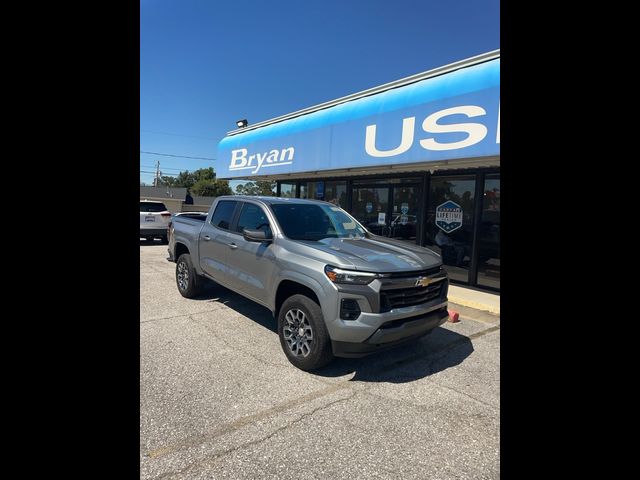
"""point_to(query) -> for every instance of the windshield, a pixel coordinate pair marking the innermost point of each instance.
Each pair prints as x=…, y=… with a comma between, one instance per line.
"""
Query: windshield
x=305, y=221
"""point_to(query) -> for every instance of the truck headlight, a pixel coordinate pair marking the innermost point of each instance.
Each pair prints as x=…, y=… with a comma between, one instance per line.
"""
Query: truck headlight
x=338, y=275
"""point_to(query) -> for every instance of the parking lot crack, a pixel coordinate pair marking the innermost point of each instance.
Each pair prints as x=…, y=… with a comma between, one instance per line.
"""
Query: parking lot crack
x=210, y=460
x=177, y=316
x=243, y=421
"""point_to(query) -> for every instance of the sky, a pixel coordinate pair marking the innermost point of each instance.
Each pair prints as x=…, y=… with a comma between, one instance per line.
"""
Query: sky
x=206, y=63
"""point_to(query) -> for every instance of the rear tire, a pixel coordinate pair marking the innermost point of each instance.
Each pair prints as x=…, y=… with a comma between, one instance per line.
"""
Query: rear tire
x=303, y=333
x=188, y=281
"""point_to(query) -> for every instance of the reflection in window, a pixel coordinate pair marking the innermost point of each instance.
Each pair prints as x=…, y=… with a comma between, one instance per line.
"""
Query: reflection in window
x=336, y=193
x=454, y=245
x=252, y=218
x=312, y=190
x=288, y=190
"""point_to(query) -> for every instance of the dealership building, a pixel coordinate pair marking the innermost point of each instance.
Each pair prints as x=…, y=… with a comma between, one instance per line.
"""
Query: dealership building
x=417, y=159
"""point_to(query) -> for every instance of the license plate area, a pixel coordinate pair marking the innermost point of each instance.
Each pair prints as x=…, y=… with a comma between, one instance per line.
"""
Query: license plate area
x=150, y=218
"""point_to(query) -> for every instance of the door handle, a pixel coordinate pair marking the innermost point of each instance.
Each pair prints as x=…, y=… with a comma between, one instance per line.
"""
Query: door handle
x=233, y=246
x=207, y=237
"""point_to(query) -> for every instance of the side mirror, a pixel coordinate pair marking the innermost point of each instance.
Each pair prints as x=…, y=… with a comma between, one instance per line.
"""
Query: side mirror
x=256, y=235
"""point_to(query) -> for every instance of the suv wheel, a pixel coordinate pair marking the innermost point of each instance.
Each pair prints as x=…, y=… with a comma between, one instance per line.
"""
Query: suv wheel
x=187, y=279
x=303, y=334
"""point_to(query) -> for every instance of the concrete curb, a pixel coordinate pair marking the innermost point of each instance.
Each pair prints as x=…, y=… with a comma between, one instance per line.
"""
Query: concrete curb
x=474, y=299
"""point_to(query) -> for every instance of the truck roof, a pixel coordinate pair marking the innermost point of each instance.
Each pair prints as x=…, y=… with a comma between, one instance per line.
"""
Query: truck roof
x=272, y=200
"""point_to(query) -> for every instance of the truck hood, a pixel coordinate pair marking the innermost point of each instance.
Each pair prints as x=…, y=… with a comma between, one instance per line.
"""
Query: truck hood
x=378, y=254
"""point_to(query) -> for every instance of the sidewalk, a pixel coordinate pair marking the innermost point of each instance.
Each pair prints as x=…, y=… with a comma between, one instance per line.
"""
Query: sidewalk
x=475, y=299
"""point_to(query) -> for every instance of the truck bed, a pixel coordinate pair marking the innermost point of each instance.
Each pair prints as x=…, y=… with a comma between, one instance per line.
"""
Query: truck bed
x=199, y=216
x=185, y=226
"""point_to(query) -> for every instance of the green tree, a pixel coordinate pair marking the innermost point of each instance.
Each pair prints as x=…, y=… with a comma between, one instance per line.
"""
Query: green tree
x=211, y=188
x=204, y=174
x=187, y=179
x=166, y=181
x=260, y=187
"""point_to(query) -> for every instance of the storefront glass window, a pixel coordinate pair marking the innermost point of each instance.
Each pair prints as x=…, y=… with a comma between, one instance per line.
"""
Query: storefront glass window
x=450, y=222
x=288, y=190
x=336, y=192
x=489, y=234
x=313, y=190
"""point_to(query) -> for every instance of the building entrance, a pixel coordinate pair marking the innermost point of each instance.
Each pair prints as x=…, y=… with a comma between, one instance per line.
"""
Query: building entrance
x=388, y=210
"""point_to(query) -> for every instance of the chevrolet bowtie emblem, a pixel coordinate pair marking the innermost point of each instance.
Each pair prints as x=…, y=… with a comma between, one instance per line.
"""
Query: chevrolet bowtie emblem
x=423, y=282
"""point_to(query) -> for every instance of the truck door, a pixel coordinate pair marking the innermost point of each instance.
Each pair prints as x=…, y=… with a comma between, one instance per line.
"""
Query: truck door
x=251, y=264
x=215, y=239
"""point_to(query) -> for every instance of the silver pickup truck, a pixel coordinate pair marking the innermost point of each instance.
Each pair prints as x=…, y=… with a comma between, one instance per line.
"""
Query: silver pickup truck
x=335, y=288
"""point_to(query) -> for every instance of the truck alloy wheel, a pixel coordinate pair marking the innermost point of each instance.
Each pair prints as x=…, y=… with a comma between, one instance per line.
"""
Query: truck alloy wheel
x=298, y=332
x=303, y=333
x=183, y=276
x=188, y=281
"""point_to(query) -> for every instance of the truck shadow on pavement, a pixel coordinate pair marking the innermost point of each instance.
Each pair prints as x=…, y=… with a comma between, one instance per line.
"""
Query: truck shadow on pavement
x=433, y=353
x=149, y=243
x=439, y=350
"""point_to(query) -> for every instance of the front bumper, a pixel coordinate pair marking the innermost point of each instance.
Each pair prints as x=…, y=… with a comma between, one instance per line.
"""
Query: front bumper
x=392, y=334
x=390, y=311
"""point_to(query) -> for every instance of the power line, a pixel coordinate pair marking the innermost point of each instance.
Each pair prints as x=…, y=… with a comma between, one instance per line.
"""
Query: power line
x=178, y=156
x=164, y=168
x=163, y=174
x=176, y=134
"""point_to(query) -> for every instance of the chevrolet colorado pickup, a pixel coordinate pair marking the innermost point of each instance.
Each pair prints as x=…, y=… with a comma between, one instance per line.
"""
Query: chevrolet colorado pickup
x=335, y=288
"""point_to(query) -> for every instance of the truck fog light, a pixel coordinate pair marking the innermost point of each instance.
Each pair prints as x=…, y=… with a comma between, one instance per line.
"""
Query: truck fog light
x=349, y=309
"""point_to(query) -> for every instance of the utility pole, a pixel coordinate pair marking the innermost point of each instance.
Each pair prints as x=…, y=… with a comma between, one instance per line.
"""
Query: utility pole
x=157, y=177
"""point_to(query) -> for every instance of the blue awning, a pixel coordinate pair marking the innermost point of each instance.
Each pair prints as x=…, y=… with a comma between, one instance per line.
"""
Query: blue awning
x=450, y=116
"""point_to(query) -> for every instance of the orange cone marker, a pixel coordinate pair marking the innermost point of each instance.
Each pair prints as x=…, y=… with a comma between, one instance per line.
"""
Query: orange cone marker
x=454, y=317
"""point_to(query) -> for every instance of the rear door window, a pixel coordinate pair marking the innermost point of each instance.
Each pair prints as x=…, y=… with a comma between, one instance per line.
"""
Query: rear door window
x=223, y=214
x=151, y=207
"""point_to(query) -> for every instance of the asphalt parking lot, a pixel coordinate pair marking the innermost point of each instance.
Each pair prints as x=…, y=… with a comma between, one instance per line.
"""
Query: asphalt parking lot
x=218, y=398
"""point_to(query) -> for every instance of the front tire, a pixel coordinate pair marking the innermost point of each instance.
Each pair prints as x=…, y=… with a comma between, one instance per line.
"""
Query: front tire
x=303, y=333
x=188, y=281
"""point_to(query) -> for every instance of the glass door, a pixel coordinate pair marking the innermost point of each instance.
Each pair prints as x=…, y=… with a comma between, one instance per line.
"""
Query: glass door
x=390, y=210
x=371, y=208
x=405, y=213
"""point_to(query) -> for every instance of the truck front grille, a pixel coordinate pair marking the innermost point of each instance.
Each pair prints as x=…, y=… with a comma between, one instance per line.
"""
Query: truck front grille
x=407, y=297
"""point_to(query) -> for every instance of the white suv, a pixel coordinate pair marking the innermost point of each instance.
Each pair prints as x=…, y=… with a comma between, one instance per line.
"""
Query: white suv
x=154, y=220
